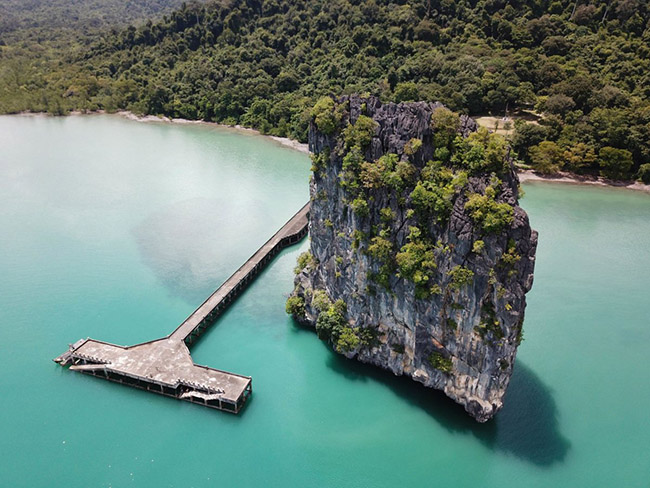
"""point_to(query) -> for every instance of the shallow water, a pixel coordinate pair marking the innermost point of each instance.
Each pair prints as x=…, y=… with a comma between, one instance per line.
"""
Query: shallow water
x=117, y=230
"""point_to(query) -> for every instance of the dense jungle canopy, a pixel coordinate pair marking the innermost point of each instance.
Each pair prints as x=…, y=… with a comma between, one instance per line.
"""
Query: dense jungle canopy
x=582, y=67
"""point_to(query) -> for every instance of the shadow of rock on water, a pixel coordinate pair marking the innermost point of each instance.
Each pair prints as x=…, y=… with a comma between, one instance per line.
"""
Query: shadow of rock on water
x=527, y=426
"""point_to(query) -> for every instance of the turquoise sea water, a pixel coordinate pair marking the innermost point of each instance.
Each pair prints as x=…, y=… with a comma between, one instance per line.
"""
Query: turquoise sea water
x=117, y=230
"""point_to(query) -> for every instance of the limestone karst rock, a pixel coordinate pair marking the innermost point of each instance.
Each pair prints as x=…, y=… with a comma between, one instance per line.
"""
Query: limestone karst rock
x=420, y=255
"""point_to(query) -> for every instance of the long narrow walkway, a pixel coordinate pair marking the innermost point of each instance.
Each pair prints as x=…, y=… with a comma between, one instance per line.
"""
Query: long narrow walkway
x=165, y=365
x=293, y=231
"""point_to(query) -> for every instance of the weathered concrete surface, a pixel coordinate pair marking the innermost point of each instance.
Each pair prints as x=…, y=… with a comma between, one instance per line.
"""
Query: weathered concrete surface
x=164, y=361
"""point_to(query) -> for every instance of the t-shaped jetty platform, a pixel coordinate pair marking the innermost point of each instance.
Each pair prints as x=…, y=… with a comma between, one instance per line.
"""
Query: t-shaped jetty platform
x=165, y=365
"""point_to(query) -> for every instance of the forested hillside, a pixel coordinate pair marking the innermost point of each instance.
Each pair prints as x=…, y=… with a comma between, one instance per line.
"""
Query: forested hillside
x=583, y=64
x=21, y=19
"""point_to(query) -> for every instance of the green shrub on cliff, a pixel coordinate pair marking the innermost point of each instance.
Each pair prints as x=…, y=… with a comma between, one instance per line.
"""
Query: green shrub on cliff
x=320, y=300
x=491, y=215
x=380, y=248
x=295, y=306
x=324, y=116
x=416, y=261
x=510, y=258
x=387, y=215
x=328, y=323
x=349, y=176
x=319, y=161
x=430, y=199
x=434, y=192
x=386, y=171
x=441, y=363
x=347, y=340
x=360, y=207
x=412, y=146
x=406, y=172
x=481, y=152
x=304, y=260
x=331, y=320
x=460, y=276
x=489, y=322
x=360, y=133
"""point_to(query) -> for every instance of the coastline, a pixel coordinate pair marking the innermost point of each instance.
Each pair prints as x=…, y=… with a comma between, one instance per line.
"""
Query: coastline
x=525, y=175
x=568, y=178
x=284, y=141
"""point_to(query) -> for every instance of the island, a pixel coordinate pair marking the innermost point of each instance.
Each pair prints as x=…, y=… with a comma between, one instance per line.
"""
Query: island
x=420, y=255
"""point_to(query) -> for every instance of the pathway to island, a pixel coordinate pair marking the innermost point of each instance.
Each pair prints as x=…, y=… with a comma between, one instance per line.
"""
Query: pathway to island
x=165, y=365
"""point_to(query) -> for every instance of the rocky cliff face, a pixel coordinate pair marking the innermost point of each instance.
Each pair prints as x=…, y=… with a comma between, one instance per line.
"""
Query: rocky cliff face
x=420, y=254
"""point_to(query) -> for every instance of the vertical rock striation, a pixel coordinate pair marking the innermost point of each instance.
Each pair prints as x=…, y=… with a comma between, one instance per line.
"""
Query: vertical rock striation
x=420, y=255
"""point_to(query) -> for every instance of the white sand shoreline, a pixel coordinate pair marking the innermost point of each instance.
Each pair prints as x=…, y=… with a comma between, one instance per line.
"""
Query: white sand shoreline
x=568, y=178
x=285, y=141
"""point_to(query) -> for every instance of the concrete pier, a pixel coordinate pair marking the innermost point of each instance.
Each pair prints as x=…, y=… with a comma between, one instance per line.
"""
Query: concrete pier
x=165, y=365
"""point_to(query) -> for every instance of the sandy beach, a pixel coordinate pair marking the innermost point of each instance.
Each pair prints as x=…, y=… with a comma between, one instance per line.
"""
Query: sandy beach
x=529, y=175
x=285, y=141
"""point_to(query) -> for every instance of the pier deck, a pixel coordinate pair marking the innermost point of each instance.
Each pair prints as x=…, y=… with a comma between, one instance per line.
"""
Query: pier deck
x=165, y=365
